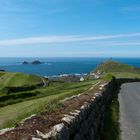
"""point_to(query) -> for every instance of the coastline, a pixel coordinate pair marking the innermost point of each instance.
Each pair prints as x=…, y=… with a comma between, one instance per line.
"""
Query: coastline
x=55, y=67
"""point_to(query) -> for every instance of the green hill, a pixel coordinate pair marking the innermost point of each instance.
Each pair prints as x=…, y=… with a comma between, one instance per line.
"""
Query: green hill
x=117, y=69
x=18, y=80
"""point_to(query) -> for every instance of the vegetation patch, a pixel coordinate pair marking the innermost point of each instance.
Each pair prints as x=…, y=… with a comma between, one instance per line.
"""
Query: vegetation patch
x=111, y=128
x=49, y=102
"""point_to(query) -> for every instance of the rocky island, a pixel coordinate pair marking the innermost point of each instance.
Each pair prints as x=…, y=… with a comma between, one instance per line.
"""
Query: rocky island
x=36, y=62
x=25, y=62
x=2, y=70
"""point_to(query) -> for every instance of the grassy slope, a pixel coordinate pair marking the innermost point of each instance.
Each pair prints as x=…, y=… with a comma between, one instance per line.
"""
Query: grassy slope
x=52, y=89
x=55, y=93
x=119, y=70
x=8, y=79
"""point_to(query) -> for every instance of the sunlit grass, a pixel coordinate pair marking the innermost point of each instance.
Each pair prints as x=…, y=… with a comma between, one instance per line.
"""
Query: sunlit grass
x=24, y=109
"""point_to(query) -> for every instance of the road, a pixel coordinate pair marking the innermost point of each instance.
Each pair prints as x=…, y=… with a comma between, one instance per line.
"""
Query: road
x=129, y=100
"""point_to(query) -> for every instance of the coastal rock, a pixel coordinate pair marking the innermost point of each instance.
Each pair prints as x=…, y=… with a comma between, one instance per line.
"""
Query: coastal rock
x=36, y=62
x=25, y=62
x=2, y=70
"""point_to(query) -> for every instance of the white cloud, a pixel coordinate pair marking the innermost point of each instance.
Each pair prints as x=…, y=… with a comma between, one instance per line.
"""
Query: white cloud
x=113, y=43
x=64, y=39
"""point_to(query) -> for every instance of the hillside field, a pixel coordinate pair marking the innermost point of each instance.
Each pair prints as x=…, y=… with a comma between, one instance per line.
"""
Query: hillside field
x=51, y=96
x=29, y=98
x=9, y=79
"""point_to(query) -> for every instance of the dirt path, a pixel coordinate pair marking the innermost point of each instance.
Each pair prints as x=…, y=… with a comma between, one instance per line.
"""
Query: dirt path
x=44, y=82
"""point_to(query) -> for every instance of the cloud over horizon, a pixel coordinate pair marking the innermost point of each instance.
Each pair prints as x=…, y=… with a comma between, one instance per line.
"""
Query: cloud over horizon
x=70, y=38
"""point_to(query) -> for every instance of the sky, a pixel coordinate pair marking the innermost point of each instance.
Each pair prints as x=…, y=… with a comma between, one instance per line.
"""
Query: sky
x=69, y=28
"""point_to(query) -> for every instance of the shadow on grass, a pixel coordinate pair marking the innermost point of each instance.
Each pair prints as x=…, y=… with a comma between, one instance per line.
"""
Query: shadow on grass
x=111, y=126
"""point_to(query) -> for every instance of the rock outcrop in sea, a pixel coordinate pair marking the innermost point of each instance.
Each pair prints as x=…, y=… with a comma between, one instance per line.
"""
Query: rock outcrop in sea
x=36, y=62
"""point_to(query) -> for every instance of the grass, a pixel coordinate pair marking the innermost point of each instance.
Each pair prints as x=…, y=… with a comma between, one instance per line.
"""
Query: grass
x=8, y=79
x=107, y=77
x=112, y=66
x=112, y=130
x=126, y=75
x=21, y=79
x=21, y=110
x=16, y=82
x=117, y=69
x=52, y=89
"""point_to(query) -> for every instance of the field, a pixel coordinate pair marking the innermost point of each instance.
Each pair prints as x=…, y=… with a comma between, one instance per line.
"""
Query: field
x=8, y=79
x=52, y=94
x=13, y=86
x=18, y=79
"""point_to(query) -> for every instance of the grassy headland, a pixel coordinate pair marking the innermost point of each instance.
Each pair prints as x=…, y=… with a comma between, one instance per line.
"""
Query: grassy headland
x=117, y=69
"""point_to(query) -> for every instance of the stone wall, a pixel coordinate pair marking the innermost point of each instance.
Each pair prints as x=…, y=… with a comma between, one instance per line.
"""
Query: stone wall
x=86, y=123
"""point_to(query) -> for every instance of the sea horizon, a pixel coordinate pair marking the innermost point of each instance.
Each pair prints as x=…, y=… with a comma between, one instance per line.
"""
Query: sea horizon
x=55, y=66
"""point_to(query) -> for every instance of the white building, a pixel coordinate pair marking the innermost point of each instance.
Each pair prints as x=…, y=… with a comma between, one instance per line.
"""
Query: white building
x=82, y=79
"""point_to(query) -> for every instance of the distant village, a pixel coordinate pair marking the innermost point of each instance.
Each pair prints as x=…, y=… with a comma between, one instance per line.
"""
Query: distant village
x=76, y=77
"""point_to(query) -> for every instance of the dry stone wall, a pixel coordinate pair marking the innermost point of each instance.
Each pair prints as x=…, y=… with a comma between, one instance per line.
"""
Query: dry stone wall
x=86, y=123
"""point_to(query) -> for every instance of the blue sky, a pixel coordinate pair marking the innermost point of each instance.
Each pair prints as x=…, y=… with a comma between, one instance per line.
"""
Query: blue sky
x=69, y=28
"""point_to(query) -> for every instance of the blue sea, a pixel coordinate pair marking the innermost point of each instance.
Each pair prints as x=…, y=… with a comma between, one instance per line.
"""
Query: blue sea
x=58, y=66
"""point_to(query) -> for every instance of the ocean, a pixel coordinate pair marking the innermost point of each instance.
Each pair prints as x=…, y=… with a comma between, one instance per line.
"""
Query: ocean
x=58, y=66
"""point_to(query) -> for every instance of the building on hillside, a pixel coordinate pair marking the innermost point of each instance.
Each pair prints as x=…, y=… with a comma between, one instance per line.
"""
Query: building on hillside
x=82, y=79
